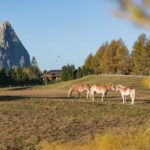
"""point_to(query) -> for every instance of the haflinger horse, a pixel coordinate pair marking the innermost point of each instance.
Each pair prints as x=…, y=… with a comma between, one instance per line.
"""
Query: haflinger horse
x=78, y=89
x=125, y=91
x=101, y=89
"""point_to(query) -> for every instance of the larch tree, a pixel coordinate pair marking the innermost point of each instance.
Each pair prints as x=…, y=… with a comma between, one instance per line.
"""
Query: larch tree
x=146, y=55
x=109, y=58
x=138, y=55
x=89, y=61
x=98, y=59
x=122, y=58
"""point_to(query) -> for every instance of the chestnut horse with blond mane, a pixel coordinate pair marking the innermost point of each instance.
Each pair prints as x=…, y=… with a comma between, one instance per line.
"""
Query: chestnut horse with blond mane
x=125, y=91
x=101, y=89
x=78, y=89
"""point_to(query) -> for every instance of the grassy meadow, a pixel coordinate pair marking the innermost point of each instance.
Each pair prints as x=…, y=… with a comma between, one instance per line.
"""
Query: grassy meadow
x=43, y=118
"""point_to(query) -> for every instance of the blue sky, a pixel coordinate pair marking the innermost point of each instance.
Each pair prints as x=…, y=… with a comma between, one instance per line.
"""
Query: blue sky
x=60, y=32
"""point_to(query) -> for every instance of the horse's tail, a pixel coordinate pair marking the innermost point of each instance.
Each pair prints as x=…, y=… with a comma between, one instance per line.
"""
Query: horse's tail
x=70, y=92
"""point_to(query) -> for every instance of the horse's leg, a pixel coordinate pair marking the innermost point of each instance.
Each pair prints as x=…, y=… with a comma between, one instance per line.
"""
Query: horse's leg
x=103, y=95
x=70, y=92
x=87, y=94
x=123, y=98
x=79, y=94
x=92, y=95
x=76, y=93
x=132, y=99
x=133, y=95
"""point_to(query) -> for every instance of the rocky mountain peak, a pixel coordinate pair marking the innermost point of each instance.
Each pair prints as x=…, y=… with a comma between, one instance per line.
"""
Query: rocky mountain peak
x=12, y=51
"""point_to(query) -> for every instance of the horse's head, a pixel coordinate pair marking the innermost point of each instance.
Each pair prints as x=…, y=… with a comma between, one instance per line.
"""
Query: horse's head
x=113, y=87
x=117, y=87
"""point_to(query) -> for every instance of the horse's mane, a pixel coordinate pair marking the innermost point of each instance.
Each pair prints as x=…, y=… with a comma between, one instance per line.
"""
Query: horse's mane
x=120, y=85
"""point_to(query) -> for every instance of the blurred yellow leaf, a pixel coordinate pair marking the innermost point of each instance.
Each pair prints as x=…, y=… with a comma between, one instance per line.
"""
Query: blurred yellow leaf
x=138, y=13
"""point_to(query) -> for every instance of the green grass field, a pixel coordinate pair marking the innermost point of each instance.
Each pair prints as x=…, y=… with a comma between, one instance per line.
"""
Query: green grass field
x=31, y=116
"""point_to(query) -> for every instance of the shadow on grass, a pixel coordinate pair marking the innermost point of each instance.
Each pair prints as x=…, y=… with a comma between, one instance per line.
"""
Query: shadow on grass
x=12, y=98
x=19, y=88
x=19, y=98
x=146, y=101
x=109, y=99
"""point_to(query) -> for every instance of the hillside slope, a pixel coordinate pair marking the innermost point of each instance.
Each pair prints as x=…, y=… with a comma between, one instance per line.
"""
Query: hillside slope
x=135, y=81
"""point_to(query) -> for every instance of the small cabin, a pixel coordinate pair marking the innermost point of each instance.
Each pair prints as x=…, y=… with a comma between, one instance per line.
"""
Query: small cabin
x=52, y=75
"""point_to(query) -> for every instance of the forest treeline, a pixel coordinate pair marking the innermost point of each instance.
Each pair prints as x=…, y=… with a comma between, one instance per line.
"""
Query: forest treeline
x=114, y=58
x=21, y=76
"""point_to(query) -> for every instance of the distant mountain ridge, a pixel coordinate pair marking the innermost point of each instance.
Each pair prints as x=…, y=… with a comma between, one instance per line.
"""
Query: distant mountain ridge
x=12, y=51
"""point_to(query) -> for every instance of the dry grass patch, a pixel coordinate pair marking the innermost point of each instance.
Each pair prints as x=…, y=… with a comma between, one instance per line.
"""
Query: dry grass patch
x=107, y=141
x=32, y=115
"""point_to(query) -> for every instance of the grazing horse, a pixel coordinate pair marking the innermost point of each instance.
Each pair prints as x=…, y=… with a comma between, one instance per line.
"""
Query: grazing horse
x=125, y=91
x=78, y=89
x=101, y=89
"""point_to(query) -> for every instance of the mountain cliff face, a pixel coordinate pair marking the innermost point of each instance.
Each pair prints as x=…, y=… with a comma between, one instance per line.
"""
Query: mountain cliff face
x=12, y=51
